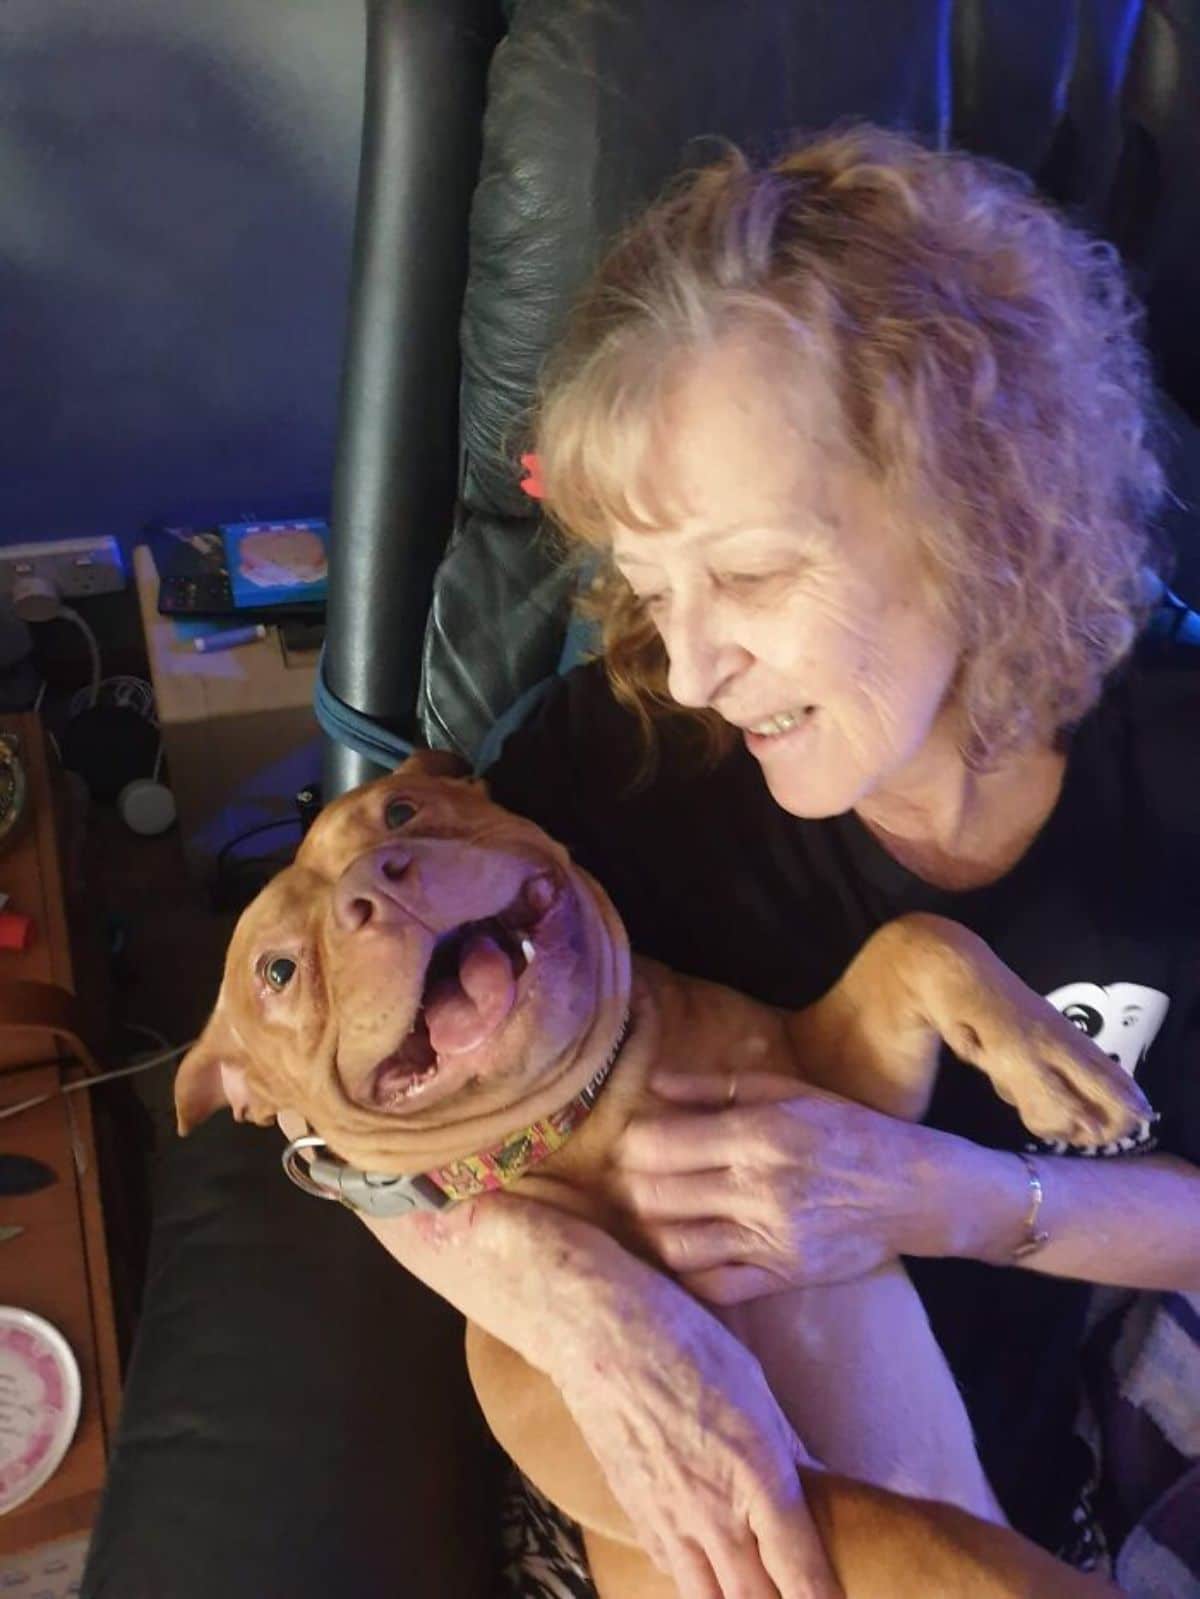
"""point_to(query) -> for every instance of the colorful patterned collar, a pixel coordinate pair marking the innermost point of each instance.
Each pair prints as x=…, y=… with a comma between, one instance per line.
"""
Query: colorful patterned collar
x=377, y=1194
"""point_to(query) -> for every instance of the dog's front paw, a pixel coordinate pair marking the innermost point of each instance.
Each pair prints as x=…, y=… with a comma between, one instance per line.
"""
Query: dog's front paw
x=1064, y=1088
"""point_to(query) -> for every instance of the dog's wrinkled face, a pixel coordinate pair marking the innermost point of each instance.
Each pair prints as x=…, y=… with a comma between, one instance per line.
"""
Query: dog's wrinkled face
x=428, y=960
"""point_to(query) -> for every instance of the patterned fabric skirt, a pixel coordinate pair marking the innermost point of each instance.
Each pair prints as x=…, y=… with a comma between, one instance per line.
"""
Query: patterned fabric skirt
x=542, y=1548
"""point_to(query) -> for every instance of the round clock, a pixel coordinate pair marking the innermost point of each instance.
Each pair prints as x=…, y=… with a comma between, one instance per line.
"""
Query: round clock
x=12, y=786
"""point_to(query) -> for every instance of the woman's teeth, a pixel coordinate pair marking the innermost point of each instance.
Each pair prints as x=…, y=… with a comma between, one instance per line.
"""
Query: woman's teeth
x=783, y=723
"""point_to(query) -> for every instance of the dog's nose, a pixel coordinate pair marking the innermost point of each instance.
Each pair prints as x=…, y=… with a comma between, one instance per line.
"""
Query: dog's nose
x=361, y=896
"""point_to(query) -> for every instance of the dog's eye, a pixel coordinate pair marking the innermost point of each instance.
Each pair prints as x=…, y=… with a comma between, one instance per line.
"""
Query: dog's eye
x=398, y=812
x=279, y=971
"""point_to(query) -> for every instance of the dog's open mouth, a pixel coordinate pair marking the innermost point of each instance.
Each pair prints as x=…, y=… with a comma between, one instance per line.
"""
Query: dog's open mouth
x=469, y=992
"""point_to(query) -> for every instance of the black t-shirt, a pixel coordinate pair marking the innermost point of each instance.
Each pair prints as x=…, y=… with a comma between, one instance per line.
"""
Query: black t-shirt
x=1102, y=914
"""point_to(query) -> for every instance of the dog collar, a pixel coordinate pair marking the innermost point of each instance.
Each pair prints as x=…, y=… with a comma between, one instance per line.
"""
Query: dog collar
x=381, y=1194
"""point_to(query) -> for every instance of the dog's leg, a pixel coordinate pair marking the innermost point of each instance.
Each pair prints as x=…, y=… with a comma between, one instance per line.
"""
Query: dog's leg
x=879, y=1549
x=920, y=979
x=859, y=1374
x=884, y=1548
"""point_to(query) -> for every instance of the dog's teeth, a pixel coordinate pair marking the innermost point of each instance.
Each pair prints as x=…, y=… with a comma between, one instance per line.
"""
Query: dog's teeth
x=527, y=950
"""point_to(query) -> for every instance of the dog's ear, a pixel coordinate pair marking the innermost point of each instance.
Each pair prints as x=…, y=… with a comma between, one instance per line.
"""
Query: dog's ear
x=212, y=1075
x=436, y=763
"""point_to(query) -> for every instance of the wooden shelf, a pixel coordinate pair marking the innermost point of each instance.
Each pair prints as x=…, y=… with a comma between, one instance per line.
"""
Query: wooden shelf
x=58, y=1267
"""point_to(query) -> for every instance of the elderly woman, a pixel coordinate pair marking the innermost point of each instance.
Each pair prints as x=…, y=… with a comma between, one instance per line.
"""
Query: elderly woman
x=856, y=449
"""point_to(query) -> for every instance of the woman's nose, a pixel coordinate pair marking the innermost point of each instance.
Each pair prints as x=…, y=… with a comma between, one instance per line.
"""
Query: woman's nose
x=699, y=661
x=365, y=892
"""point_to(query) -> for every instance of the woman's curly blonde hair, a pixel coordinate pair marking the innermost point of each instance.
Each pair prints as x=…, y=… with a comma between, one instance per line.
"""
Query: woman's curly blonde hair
x=986, y=360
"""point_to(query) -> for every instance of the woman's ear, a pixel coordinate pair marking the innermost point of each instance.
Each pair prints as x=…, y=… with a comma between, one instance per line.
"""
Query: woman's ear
x=211, y=1075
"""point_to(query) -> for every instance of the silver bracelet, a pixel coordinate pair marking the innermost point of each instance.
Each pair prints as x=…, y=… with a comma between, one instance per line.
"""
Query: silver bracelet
x=1035, y=1236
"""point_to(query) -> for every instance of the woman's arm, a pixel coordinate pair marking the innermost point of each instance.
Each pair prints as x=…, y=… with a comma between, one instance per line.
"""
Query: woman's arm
x=542, y=1282
x=675, y=1410
x=1132, y=1223
x=803, y=1188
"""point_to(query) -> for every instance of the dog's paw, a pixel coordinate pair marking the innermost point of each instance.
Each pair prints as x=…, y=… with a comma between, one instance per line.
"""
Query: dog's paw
x=1063, y=1087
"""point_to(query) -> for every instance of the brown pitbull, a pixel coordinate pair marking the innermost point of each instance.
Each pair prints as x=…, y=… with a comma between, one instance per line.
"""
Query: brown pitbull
x=433, y=976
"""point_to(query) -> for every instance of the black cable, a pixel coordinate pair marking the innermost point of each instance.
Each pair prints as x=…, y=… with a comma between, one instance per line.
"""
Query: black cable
x=231, y=844
x=236, y=878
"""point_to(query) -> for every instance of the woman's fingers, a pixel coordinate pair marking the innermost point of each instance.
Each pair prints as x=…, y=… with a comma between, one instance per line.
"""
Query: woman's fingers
x=791, y=1549
x=682, y=1141
x=691, y=1246
x=733, y=1133
x=682, y=1196
x=733, y=1285
x=688, y=1567
x=718, y=1090
x=740, y=1573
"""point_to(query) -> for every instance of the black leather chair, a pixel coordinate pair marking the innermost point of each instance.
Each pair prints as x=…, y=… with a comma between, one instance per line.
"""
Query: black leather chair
x=296, y=1416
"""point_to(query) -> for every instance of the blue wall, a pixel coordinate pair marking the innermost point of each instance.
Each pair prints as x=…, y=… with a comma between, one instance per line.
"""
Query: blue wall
x=176, y=204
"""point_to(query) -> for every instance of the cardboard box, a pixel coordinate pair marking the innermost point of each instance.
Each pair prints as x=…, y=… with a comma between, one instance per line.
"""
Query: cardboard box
x=238, y=727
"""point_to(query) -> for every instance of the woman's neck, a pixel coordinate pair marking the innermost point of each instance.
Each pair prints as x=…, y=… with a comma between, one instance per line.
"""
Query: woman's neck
x=960, y=829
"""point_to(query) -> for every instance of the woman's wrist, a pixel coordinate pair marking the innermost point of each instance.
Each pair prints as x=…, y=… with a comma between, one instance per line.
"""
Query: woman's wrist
x=972, y=1202
x=587, y=1293
x=551, y=1286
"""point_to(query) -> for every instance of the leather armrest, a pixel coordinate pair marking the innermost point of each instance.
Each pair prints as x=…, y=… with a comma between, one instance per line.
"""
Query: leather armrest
x=397, y=454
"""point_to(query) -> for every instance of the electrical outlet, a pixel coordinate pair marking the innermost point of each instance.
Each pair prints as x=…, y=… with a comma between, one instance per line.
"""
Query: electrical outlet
x=78, y=568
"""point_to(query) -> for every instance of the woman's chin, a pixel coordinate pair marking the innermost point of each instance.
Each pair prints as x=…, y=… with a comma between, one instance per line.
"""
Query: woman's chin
x=810, y=796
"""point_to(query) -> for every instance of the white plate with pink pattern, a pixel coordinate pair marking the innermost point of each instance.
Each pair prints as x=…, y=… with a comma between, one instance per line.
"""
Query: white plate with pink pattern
x=39, y=1403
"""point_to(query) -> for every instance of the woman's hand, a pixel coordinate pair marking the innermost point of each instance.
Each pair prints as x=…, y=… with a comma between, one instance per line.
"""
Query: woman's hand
x=789, y=1186
x=697, y=1453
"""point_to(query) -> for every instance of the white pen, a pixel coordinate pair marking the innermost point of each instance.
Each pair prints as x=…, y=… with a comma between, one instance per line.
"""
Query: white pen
x=209, y=642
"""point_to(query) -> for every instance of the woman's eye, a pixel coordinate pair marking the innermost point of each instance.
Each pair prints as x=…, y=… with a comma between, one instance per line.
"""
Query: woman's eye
x=398, y=812
x=279, y=971
x=744, y=582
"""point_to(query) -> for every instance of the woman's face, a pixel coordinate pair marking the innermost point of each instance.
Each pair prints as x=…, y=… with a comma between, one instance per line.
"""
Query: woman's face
x=790, y=601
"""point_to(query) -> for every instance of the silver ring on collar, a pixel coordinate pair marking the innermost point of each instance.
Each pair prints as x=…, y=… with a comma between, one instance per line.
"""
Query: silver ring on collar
x=296, y=1166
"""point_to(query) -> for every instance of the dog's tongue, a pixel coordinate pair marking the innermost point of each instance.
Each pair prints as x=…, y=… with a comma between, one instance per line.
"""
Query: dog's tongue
x=462, y=1012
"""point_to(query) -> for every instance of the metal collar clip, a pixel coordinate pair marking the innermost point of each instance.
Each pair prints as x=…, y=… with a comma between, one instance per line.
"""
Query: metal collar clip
x=368, y=1193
